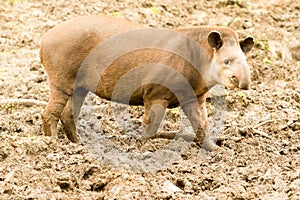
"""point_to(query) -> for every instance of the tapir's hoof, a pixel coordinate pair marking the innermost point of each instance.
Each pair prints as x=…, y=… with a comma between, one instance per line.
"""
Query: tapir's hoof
x=144, y=139
x=73, y=138
x=210, y=143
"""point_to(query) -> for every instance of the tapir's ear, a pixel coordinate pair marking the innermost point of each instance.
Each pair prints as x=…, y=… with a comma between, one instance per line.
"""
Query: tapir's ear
x=215, y=40
x=247, y=44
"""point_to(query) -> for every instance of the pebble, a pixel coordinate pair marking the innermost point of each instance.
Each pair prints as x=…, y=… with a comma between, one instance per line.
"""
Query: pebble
x=170, y=188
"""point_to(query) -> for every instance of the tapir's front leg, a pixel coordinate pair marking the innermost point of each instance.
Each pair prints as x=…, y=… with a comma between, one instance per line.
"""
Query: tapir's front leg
x=197, y=114
x=154, y=114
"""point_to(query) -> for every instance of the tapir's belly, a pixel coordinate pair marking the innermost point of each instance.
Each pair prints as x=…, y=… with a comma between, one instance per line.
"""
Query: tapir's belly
x=132, y=94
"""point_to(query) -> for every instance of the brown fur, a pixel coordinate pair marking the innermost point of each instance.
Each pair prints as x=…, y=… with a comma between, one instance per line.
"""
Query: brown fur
x=65, y=48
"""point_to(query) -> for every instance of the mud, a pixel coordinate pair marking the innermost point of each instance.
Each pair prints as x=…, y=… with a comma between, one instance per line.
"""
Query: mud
x=259, y=158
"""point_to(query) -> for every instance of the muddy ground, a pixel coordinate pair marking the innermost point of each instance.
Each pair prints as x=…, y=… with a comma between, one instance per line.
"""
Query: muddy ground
x=259, y=158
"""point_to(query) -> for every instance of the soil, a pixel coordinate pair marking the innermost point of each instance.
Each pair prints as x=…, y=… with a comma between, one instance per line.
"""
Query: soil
x=259, y=158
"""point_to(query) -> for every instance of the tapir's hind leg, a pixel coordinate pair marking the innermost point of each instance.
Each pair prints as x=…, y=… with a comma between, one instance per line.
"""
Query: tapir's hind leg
x=57, y=101
x=71, y=112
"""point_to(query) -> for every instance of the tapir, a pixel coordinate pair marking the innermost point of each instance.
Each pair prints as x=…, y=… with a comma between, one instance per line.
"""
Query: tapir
x=125, y=62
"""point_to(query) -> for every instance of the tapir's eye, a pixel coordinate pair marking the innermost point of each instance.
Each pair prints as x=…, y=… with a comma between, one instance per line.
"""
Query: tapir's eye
x=227, y=62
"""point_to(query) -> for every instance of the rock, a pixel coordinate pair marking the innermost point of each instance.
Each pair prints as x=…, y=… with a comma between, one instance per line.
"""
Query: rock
x=170, y=188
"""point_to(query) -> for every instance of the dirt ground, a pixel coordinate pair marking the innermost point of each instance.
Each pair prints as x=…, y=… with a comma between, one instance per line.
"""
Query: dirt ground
x=259, y=159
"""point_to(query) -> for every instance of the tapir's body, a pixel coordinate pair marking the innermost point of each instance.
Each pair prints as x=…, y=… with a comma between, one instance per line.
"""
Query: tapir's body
x=128, y=63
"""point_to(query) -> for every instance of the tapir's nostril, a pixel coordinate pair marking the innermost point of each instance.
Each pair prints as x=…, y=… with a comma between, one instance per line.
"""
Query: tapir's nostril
x=234, y=80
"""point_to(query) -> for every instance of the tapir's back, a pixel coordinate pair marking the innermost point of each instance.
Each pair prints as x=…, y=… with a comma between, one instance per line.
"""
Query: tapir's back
x=67, y=44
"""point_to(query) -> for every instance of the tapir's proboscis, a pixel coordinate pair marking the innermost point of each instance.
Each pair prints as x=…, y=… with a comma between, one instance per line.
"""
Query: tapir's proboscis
x=128, y=63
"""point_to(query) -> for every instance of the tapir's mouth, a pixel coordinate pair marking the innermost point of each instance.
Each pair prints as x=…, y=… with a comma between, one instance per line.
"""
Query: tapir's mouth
x=231, y=83
x=235, y=83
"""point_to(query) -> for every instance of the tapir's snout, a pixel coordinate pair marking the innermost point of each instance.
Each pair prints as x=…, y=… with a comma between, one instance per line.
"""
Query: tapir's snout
x=245, y=80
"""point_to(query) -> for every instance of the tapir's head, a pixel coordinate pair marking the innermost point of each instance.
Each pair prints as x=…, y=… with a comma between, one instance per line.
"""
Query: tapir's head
x=229, y=65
